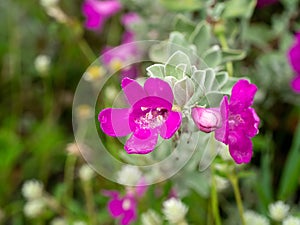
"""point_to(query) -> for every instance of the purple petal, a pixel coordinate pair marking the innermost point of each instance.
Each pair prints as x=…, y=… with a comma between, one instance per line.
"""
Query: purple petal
x=221, y=134
x=206, y=119
x=115, y=122
x=296, y=84
x=115, y=207
x=242, y=95
x=240, y=147
x=93, y=19
x=251, y=122
x=130, y=72
x=130, y=18
x=159, y=88
x=107, y=8
x=171, y=125
x=133, y=91
x=128, y=217
x=294, y=56
x=135, y=145
x=141, y=187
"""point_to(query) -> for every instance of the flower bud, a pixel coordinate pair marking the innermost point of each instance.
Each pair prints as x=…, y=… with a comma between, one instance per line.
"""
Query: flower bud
x=207, y=120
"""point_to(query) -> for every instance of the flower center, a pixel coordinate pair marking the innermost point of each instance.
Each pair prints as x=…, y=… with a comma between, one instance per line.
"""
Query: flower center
x=151, y=117
x=234, y=120
x=126, y=204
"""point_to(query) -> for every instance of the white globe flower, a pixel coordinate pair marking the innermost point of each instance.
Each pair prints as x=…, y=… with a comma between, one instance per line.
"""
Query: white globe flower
x=278, y=210
x=32, y=189
x=58, y=221
x=174, y=210
x=291, y=220
x=253, y=218
x=129, y=175
x=86, y=173
x=151, y=218
x=48, y=3
x=34, y=208
x=42, y=64
x=221, y=183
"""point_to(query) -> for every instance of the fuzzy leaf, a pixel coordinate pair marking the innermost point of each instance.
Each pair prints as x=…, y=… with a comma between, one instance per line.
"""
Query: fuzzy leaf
x=156, y=70
x=201, y=37
x=183, y=91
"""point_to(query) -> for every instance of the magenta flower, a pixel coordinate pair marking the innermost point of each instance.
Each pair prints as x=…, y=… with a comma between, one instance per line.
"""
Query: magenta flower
x=97, y=12
x=124, y=208
x=263, y=3
x=239, y=121
x=149, y=115
x=130, y=19
x=294, y=58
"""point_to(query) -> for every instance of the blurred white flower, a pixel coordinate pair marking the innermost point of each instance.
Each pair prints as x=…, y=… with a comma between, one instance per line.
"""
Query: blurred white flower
x=151, y=218
x=94, y=73
x=48, y=3
x=129, y=175
x=84, y=112
x=291, y=220
x=32, y=189
x=174, y=211
x=253, y=218
x=79, y=223
x=111, y=93
x=73, y=149
x=58, y=221
x=42, y=64
x=221, y=183
x=86, y=172
x=278, y=210
x=34, y=208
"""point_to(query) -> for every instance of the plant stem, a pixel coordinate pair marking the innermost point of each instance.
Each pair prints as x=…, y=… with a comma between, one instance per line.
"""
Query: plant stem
x=224, y=45
x=234, y=181
x=89, y=201
x=214, y=200
x=69, y=176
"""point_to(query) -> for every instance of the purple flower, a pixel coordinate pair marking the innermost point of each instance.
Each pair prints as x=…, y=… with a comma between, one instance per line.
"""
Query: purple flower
x=97, y=12
x=263, y=3
x=150, y=114
x=294, y=58
x=124, y=208
x=130, y=19
x=207, y=120
x=239, y=121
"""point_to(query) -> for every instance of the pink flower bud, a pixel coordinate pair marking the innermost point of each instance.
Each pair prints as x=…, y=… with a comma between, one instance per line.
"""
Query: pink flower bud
x=207, y=120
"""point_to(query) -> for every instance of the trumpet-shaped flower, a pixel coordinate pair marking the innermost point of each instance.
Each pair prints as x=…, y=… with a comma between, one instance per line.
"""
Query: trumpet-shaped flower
x=294, y=58
x=97, y=12
x=239, y=121
x=150, y=114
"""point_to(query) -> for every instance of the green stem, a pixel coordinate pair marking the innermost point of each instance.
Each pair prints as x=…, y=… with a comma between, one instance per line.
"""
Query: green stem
x=214, y=201
x=88, y=192
x=69, y=176
x=234, y=181
x=86, y=50
x=224, y=45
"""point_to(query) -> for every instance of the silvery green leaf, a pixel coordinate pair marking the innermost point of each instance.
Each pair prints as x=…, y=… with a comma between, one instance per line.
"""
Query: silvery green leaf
x=227, y=87
x=159, y=52
x=258, y=34
x=156, y=70
x=183, y=5
x=177, y=42
x=193, y=181
x=213, y=56
x=222, y=78
x=178, y=65
x=183, y=25
x=171, y=80
x=201, y=37
x=183, y=91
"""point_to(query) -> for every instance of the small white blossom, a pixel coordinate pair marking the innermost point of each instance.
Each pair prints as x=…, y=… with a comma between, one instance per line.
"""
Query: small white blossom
x=278, y=210
x=221, y=183
x=42, y=64
x=34, y=208
x=86, y=172
x=48, y=3
x=151, y=218
x=111, y=93
x=253, y=218
x=129, y=175
x=58, y=221
x=32, y=189
x=79, y=223
x=174, y=210
x=291, y=220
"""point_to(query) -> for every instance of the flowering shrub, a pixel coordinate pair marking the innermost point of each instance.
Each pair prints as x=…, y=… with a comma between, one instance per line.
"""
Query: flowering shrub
x=183, y=112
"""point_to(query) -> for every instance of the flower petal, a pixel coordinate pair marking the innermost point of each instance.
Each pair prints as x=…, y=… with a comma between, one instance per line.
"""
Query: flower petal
x=242, y=95
x=93, y=21
x=115, y=207
x=135, y=145
x=221, y=134
x=128, y=217
x=294, y=56
x=115, y=122
x=296, y=84
x=240, y=148
x=133, y=91
x=159, y=88
x=171, y=125
x=251, y=122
